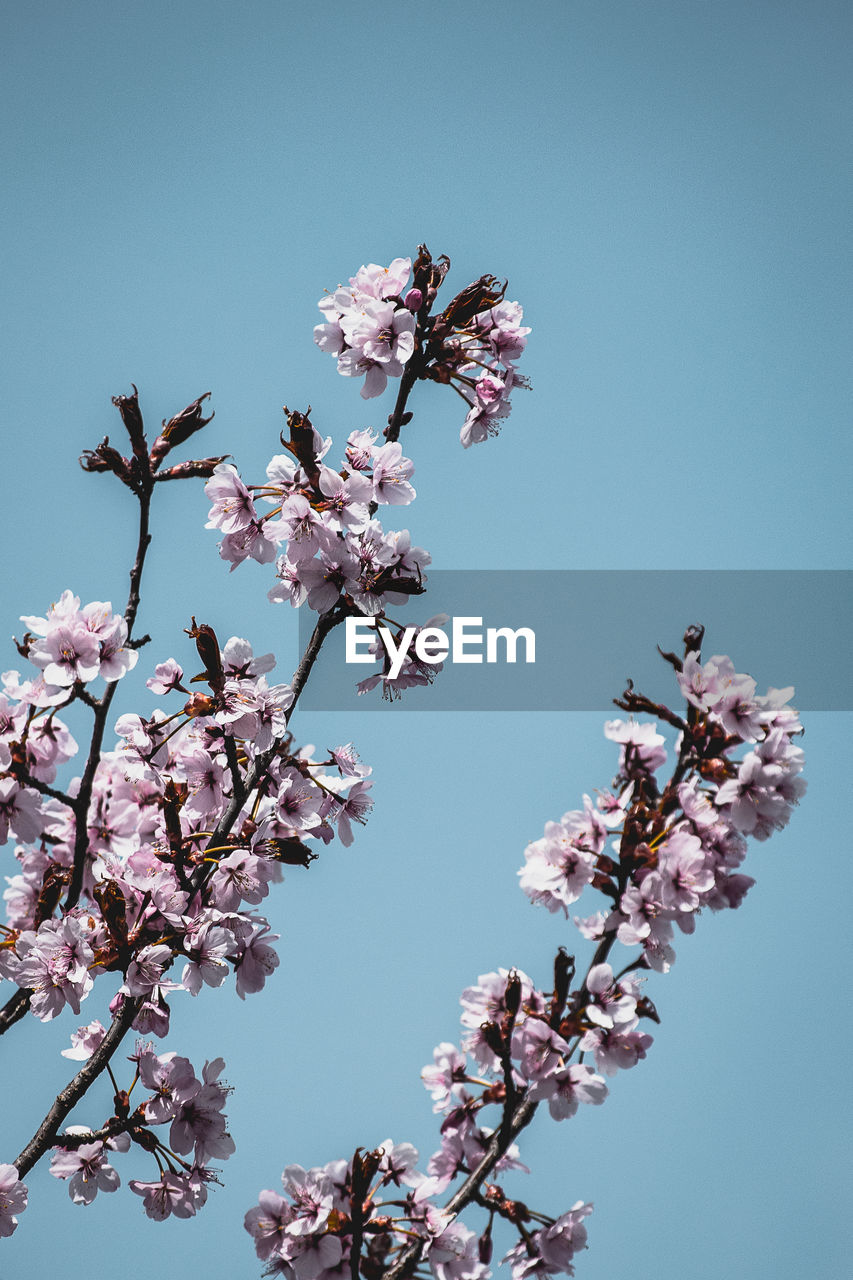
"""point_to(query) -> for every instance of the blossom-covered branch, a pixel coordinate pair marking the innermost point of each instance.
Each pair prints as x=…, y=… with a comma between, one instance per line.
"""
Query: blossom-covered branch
x=660, y=853
x=169, y=841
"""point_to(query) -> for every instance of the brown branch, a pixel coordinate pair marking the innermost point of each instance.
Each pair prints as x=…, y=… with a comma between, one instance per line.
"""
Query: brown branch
x=47, y=1132
x=14, y=1009
x=102, y=705
x=238, y=789
x=326, y=623
x=500, y=1142
x=26, y=779
x=398, y=418
x=113, y=1127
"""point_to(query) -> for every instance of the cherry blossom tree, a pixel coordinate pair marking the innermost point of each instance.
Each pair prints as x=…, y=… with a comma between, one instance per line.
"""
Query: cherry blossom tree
x=149, y=867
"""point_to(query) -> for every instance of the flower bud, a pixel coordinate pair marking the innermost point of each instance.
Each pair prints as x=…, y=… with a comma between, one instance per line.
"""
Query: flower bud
x=203, y=467
x=208, y=650
x=106, y=458
x=179, y=429
x=200, y=704
x=128, y=407
x=474, y=298
x=491, y=1033
x=512, y=998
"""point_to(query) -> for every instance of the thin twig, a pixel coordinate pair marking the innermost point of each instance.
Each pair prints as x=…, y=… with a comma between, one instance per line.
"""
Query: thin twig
x=102, y=706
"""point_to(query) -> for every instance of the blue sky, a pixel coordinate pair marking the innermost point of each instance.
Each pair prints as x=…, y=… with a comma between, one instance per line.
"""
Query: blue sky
x=666, y=188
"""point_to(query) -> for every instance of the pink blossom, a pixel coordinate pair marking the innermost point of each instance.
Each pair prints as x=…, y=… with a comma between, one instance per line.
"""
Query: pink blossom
x=207, y=946
x=541, y=1053
x=360, y=450
x=397, y=1164
x=258, y=960
x=198, y=1122
x=486, y=1002
x=266, y=1222
x=240, y=877
x=233, y=509
x=84, y=1041
x=13, y=1198
x=445, y=1079
x=643, y=747
x=685, y=874
x=146, y=969
x=565, y=1237
x=346, y=506
x=571, y=1085
x=66, y=654
x=115, y=659
x=391, y=474
x=20, y=811
x=172, y=1194
x=353, y=808
x=613, y=1005
x=167, y=676
x=86, y=1169
x=382, y=282
x=55, y=966
x=453, y=1255
x=239, y=661
x=302, y=526
x=615, y=1050
x=255, y=540
x=311, y=1193
x=348, y=762
x=170, y=1077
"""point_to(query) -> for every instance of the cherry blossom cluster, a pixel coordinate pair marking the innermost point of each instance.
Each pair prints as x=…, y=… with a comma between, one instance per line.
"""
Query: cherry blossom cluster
x=156, y=888
x=680, y=846
x=72, y=644
x=197, y=1132
x=310, y=1231
x=413, y=673
x=165, y=901
x=379, y=327
x=191, y=1107
x=335, y=550
x=370, y=325
x=659, y=852
x=337, y=556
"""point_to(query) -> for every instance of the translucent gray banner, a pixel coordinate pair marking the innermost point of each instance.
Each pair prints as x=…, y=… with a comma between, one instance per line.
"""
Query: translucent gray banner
x=595, y=628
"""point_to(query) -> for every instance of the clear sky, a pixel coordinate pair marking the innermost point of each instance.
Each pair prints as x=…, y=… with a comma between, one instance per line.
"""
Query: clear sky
x=666, y=186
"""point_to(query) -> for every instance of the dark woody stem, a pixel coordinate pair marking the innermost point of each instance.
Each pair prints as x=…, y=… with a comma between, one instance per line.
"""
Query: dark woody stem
x=45, y=1137
x=17, y=1005
x=14, y=1009
x=113, y=1127
x=413, y=370
x=411, y=373
x=102, y=706
x=326, y=623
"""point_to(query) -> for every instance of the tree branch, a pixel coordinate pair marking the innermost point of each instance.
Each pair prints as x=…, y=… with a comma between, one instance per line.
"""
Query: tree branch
x=46, y=1135
x=102, y=706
